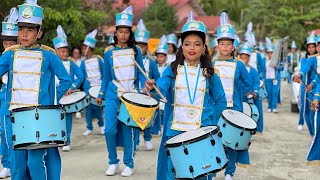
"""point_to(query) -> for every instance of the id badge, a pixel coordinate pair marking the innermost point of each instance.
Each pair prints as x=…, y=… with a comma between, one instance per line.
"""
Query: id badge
x=275, y=82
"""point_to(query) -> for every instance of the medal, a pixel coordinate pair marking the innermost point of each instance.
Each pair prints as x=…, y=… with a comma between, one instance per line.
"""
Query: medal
x=192, y=113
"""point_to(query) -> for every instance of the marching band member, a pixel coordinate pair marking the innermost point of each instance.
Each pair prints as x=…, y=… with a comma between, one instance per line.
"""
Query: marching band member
x=262, y=50
x=36, y=90
x=92, y=68
x=9, y=37
x=245, y=52
x=308, y=67
x=256, y=61
x=234, y=79
x=172, y=48
x=293, y=59
x=272, y=82
x=118, y=79
x=193, y=58
x=215, y=52
x=61, y=45
x=142, y=36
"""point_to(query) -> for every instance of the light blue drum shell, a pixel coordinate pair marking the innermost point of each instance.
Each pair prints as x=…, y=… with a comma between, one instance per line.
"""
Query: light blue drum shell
x=46, y=132
x=234, y=136
x=199, y=155
x=93, y=101
x=77, y=106
x=125, y=117
x=262, y=92
x=255, y=112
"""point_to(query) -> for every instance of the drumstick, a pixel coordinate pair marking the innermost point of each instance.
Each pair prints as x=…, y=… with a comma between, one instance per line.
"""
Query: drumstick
x=154, y=86
x=306, y=87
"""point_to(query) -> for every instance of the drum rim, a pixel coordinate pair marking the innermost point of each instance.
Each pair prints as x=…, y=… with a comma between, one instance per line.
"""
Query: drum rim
x=24, y=146
x=237, y=126
x=193, y=140
x=91, y=88
x=74, y=102
x=208, y=173
x=137, y=104
x=37, y=107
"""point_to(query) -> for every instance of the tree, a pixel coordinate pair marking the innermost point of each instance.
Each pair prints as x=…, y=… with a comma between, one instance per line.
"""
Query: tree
x=160, y=18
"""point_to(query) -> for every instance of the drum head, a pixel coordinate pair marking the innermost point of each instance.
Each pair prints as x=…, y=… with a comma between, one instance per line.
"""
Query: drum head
x=247, y=108
x=94, y=91
x=261, y=83
x=192, y=135
x=72, y=98
x=239, y=119
x=140, y=100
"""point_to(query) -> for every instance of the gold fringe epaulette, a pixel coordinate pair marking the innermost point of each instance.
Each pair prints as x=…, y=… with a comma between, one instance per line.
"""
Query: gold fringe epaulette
x=12, y=48
x=45, y=47
x=111, y=47
x=217, y=71
x=313, y=163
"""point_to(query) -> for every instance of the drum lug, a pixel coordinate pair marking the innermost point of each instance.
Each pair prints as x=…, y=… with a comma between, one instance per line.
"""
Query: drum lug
x=218, y=160
x=213, y=142
x=12, y=119
x=191, y=171
x=14, y=137
x=185, y=150
x=38, y=135
x=63, y=133
x=249, y=143
x=37, y=115
x=173, y=171
x=87, y=100
x=62, y=115
x=128, y=120
x=237, y=144
x=224, y=125
x=241, y=134
x=220, y=134
x=168, y=152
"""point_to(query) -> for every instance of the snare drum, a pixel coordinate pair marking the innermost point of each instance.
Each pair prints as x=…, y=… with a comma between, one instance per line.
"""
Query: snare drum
x=137, y=110
x=262, y=91
x=237, y=129
x=38, y=127
x=250, y=109
x=74, y=102
x=197, y=153
x=94, y=92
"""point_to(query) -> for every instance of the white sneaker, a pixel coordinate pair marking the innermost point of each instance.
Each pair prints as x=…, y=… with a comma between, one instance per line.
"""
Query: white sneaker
x=275, y=111
x=228, y=177
x=269, y=111
x=137, y=147
x=88, y=132
x=5, y=172
x=300, y=128
x=102, y=130
x=149, y=145
x=127, y=172
x=213, y=178
x=78, y=115
x=66, y=148
x=112, y=170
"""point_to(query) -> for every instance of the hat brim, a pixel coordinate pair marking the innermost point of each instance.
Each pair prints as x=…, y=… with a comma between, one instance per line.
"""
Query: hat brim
x=23, y=24
x=225, y=38
x=123, y=26
x=201, y=34
x=8, y=38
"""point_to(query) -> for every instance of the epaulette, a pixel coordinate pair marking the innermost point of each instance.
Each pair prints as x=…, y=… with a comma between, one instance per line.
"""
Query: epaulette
x=217, y=71
x=12, y=48
x=45, y=47
x=98, y=56
x=237, y=59
x=111, y=47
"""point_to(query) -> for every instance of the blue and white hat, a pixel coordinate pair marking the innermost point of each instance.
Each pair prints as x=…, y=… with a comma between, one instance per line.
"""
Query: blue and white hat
x=236, y=41
x=172, y=39
x=61, y=39
x=125, y=18
x=318, y=38
x=193, y=25
x=9, y=26
x=90, y=39
x=312, y=39
x=261, y=46
x=214, y=42
x=225, y=30
x=30, y=14
x=246, y=49
x=179, y=43
x=250, y=36
x=269, y=45
x=162, y=46
x=111, y=39
x=293, y=45
x=142, y=34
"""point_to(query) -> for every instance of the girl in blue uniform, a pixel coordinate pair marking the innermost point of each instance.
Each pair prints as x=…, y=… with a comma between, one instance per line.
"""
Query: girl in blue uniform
x=118, y=79
x=41, y=163
x=308, y=66
x=193, y=57
x=92, y=69
x=245, y=51
x=9, y=37
x=141, y=36
x=234, y=79
x=61, y=45
x=314, y=153
x=172, y=48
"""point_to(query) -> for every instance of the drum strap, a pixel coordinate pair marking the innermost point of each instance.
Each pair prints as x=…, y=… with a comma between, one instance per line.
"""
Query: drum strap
x=121, y=89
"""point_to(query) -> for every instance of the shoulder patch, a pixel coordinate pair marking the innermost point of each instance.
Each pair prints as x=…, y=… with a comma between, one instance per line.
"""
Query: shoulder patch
x=45, y=47
x=111, y=47
x=12, y=48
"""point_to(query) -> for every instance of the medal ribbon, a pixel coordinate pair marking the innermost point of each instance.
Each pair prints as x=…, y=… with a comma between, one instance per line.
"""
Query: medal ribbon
x=191, y=99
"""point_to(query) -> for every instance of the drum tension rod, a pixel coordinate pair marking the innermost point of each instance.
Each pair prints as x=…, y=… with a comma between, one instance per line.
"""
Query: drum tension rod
x=37, y=135
x=36, y=114
x=185, y=150
x=213, y=142
x=191, y=171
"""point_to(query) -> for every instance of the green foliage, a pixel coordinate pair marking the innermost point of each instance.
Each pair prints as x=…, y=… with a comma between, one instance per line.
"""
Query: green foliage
x=160, y=19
